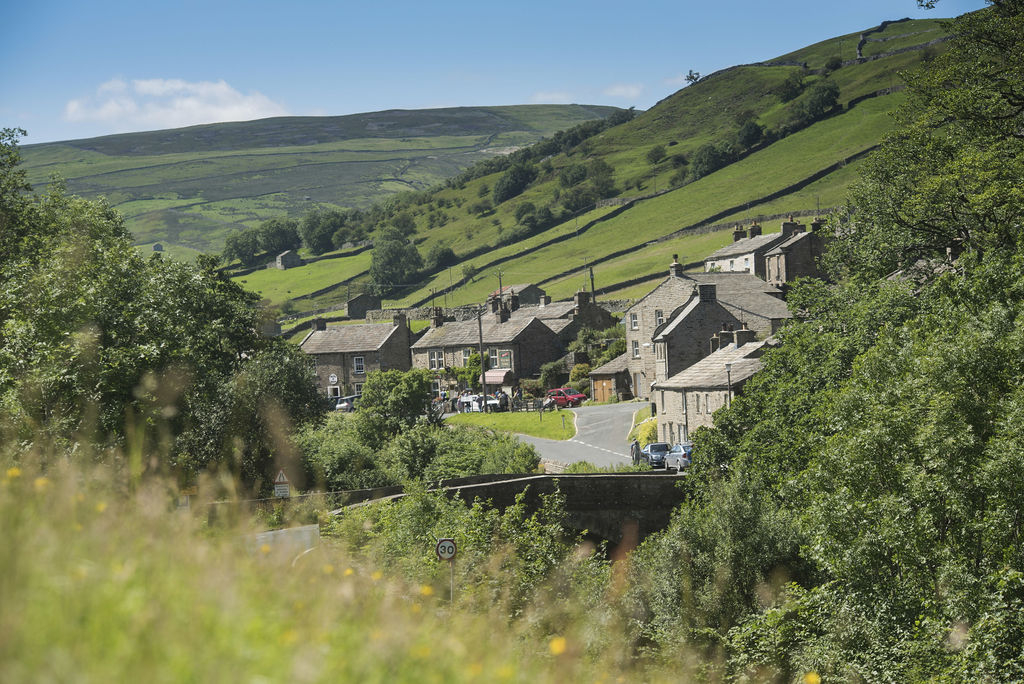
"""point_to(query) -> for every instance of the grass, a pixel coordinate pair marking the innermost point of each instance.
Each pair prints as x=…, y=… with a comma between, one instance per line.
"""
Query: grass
x=560, y=425
x=279, y=286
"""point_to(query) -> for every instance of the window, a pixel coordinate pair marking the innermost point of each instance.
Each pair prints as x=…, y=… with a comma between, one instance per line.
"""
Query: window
x=358, y=387
x=746, y=263
x=696, y=407
x=334, y=391
x=659, y=349
x=634, y=321
x=732, y=264
x=357, y=365
x=707, y=403
x=636, y=349
x=662, y=402
x=466, y=353
x=659, y=317
x=492, y=358
x=436, y=359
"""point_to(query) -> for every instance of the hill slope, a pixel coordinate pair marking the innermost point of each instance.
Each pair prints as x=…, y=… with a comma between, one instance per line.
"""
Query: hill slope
x=194, y=186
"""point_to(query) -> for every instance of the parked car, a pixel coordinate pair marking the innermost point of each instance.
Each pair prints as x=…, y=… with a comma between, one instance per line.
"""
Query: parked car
x=347, y=404
x=565, y=396
x=654, y=454
x=679, y=456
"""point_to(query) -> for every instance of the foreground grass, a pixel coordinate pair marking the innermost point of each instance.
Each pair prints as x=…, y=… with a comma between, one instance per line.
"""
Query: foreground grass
x=559, y=425
x=104, y=582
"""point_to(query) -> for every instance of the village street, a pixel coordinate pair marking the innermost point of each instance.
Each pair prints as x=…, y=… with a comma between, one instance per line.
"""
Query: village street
x=601, y=435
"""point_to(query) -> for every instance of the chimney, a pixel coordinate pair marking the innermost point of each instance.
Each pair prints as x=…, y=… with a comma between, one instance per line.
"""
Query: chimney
x=495, y=302
x=725, y=338
x=675, y=269
x=501, y=315
x=714, y=343
x=744, y=336
x=319, y=324
x=816, y=225
x=755, y=229
x=707, y=292
x=545, y=300
x=513, y=301
x=398, y=320
x=790, y=227
x=738, y=234
x=437, y=317
x=581, y=299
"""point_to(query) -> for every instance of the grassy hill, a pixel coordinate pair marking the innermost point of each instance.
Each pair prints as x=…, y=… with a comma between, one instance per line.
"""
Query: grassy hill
x=796, y=169
x=191, y=187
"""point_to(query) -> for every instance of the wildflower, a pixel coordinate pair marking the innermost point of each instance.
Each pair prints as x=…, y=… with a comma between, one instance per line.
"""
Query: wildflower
x=101, y=506
x=349, y=572
x=377, y=574
x=265, y=548
x=41, y=483
x=812, y=678
x=328, y=569
x=557, y=645
x=13, y=473
x=426, y=590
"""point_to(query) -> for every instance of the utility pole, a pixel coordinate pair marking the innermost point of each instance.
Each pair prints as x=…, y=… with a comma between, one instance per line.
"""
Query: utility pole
x=593, y=296
x=483, y=373
x=500, y=293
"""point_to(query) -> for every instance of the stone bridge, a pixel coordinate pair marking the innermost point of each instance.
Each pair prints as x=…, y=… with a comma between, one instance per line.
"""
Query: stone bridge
x=621, y=507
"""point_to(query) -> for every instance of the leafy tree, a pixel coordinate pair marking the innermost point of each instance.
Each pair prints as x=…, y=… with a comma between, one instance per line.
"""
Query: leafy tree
x=692, y=77
x=523, y=210
x=578, y=198
x=574, y=174
x=600, y=175
x=656, y=154
x=440, y=257
x=318, y=227
x=244, y=246
x=790, y=88
x=394, y=262
x=833, y=63
x=392, y=401
x=513, y=182
x=553, y=374
x=709, y=158
x=278, y=235
x=469, y=375
x=749, y=134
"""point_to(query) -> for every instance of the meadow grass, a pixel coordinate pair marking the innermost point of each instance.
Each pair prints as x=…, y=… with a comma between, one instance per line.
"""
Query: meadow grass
x=279, y=286
x=560, y=424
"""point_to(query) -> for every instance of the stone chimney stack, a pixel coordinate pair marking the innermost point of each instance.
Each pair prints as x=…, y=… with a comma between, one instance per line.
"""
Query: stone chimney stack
x=319, y=324
x=707, y=292
x=745, y=336
x=755, y=229
x=581, y=299
x=437, y=317
x=790, y=227
x=675, y=269
x=398, y=320
x=725, y=338
x=738, y=234
x=714, y=343
x=495, y=302
x=513, y=301
x=545, y=300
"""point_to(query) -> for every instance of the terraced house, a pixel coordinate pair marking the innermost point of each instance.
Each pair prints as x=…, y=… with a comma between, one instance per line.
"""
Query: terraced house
x=344, y=354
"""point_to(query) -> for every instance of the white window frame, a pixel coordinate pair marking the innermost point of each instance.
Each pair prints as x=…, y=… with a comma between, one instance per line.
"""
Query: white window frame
x=634, y=321
x=358, y=365
x=636, y=349
x=435, y=359
x=357, y=387
x=659, y=316
x=333, y=391
x=466, y=353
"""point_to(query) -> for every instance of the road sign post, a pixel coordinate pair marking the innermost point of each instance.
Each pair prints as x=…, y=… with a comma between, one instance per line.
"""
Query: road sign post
x=446, y=549
x=282, y=489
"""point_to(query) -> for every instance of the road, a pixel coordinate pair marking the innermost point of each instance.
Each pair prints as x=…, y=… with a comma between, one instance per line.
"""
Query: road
x=601, y=433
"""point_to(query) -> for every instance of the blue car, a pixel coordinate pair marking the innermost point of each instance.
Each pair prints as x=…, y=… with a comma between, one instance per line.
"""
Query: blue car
x=654, y=454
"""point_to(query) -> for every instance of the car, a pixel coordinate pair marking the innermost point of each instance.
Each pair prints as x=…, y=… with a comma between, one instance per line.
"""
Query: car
x=565, y=397
x=679, y=456
x=347, y=404
x=654, y=454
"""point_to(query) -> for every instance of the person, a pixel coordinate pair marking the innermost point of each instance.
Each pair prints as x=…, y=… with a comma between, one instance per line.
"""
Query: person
x=634, y=451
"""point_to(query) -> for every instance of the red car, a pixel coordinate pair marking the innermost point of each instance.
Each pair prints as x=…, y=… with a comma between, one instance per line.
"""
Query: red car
x=565, y=396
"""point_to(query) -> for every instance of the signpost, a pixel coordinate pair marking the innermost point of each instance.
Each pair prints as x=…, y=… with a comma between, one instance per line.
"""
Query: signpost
x=282, y=489
x=446, y=549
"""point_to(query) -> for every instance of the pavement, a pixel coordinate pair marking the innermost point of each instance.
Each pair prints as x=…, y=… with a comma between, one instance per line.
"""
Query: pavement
x=601, y=435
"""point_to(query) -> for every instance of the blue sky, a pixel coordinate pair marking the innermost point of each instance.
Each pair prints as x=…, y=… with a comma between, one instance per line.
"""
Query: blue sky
x=80, y=68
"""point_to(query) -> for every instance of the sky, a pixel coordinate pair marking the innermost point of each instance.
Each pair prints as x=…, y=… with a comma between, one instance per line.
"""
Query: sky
x=81, y=68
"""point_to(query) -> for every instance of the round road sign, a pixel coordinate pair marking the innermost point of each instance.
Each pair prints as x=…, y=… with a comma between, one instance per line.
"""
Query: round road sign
x=446, y=549
x=332, y=378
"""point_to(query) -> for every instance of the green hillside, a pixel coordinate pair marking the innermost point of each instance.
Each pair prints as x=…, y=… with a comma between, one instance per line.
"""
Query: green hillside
x=192, y=187
x=797, y=167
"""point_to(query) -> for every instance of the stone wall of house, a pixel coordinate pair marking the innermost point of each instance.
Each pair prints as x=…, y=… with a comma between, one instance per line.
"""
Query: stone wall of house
x=690, y=341
x=642, y=368
x=395, y=354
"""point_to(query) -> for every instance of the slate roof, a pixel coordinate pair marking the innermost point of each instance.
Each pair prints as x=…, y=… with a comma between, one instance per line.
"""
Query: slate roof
x=467, y=334
x=617, y=365
x=783, y=246
x=710, y=373
x=744, y=305
x=511, y=288
x=728, y=286
x=746, y=246
x=552, y=310
x=348, y=338
x=557, y=325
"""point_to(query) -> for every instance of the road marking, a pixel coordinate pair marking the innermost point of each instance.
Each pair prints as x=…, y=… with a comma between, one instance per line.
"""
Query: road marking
x=591, y=446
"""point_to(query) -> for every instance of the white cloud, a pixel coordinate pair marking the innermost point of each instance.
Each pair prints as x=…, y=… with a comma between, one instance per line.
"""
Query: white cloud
x=677, y=81
x=551, y=97
x=626, y=90
x=146, y=104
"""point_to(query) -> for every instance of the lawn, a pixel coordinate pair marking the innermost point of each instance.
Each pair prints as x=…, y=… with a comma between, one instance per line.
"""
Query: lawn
x=559, y=424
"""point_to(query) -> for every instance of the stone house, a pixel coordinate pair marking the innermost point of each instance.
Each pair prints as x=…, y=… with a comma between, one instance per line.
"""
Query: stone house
x=564, y=318
x=345, y=354
x=673, y=310
x=358, y=306
x=288, y=259
x=747, y=251
x=796, y=256
x=688, y=399
x=520, y=344
x=612, y=380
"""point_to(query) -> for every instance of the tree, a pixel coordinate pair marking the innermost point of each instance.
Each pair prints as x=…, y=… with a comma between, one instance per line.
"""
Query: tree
x=513, y=182
x=601, y=177
x=440, y=257
x=278, y=235
x=749, y=134
x=790, y=88
x=394, y=262
x=574, y=174
x=244, y=246
x=692, y=77
x=318, y=227
x=392, y=401
x=709, y=158
x=523, y=210
x=656, y=154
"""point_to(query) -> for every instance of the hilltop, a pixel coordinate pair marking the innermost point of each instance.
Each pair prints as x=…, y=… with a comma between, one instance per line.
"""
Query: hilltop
x=784, y=136
x=192, y=187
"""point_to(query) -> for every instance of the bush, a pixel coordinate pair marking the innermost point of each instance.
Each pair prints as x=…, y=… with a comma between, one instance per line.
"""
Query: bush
x=581, y=371
x=553, y=374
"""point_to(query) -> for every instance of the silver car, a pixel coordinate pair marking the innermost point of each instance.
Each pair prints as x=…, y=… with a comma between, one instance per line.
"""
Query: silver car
x=679, y=456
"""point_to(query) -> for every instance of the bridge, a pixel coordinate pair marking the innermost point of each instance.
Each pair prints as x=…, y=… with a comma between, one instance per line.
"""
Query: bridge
x=616, y=507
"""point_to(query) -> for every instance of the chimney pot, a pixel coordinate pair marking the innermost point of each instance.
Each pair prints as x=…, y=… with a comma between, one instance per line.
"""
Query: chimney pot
x=714, y=343
x=738, y=234
x=725, y=338
x=319, y=324
x=755, y=229
x=744, y=336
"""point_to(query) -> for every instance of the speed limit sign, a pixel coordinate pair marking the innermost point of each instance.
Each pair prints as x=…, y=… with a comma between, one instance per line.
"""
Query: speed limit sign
x=445, y=549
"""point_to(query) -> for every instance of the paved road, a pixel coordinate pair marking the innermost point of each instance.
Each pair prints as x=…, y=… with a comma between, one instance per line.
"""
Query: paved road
x=601, y=433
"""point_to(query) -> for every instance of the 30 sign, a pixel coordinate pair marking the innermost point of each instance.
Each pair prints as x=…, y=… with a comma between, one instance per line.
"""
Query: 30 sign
x=446, y=549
